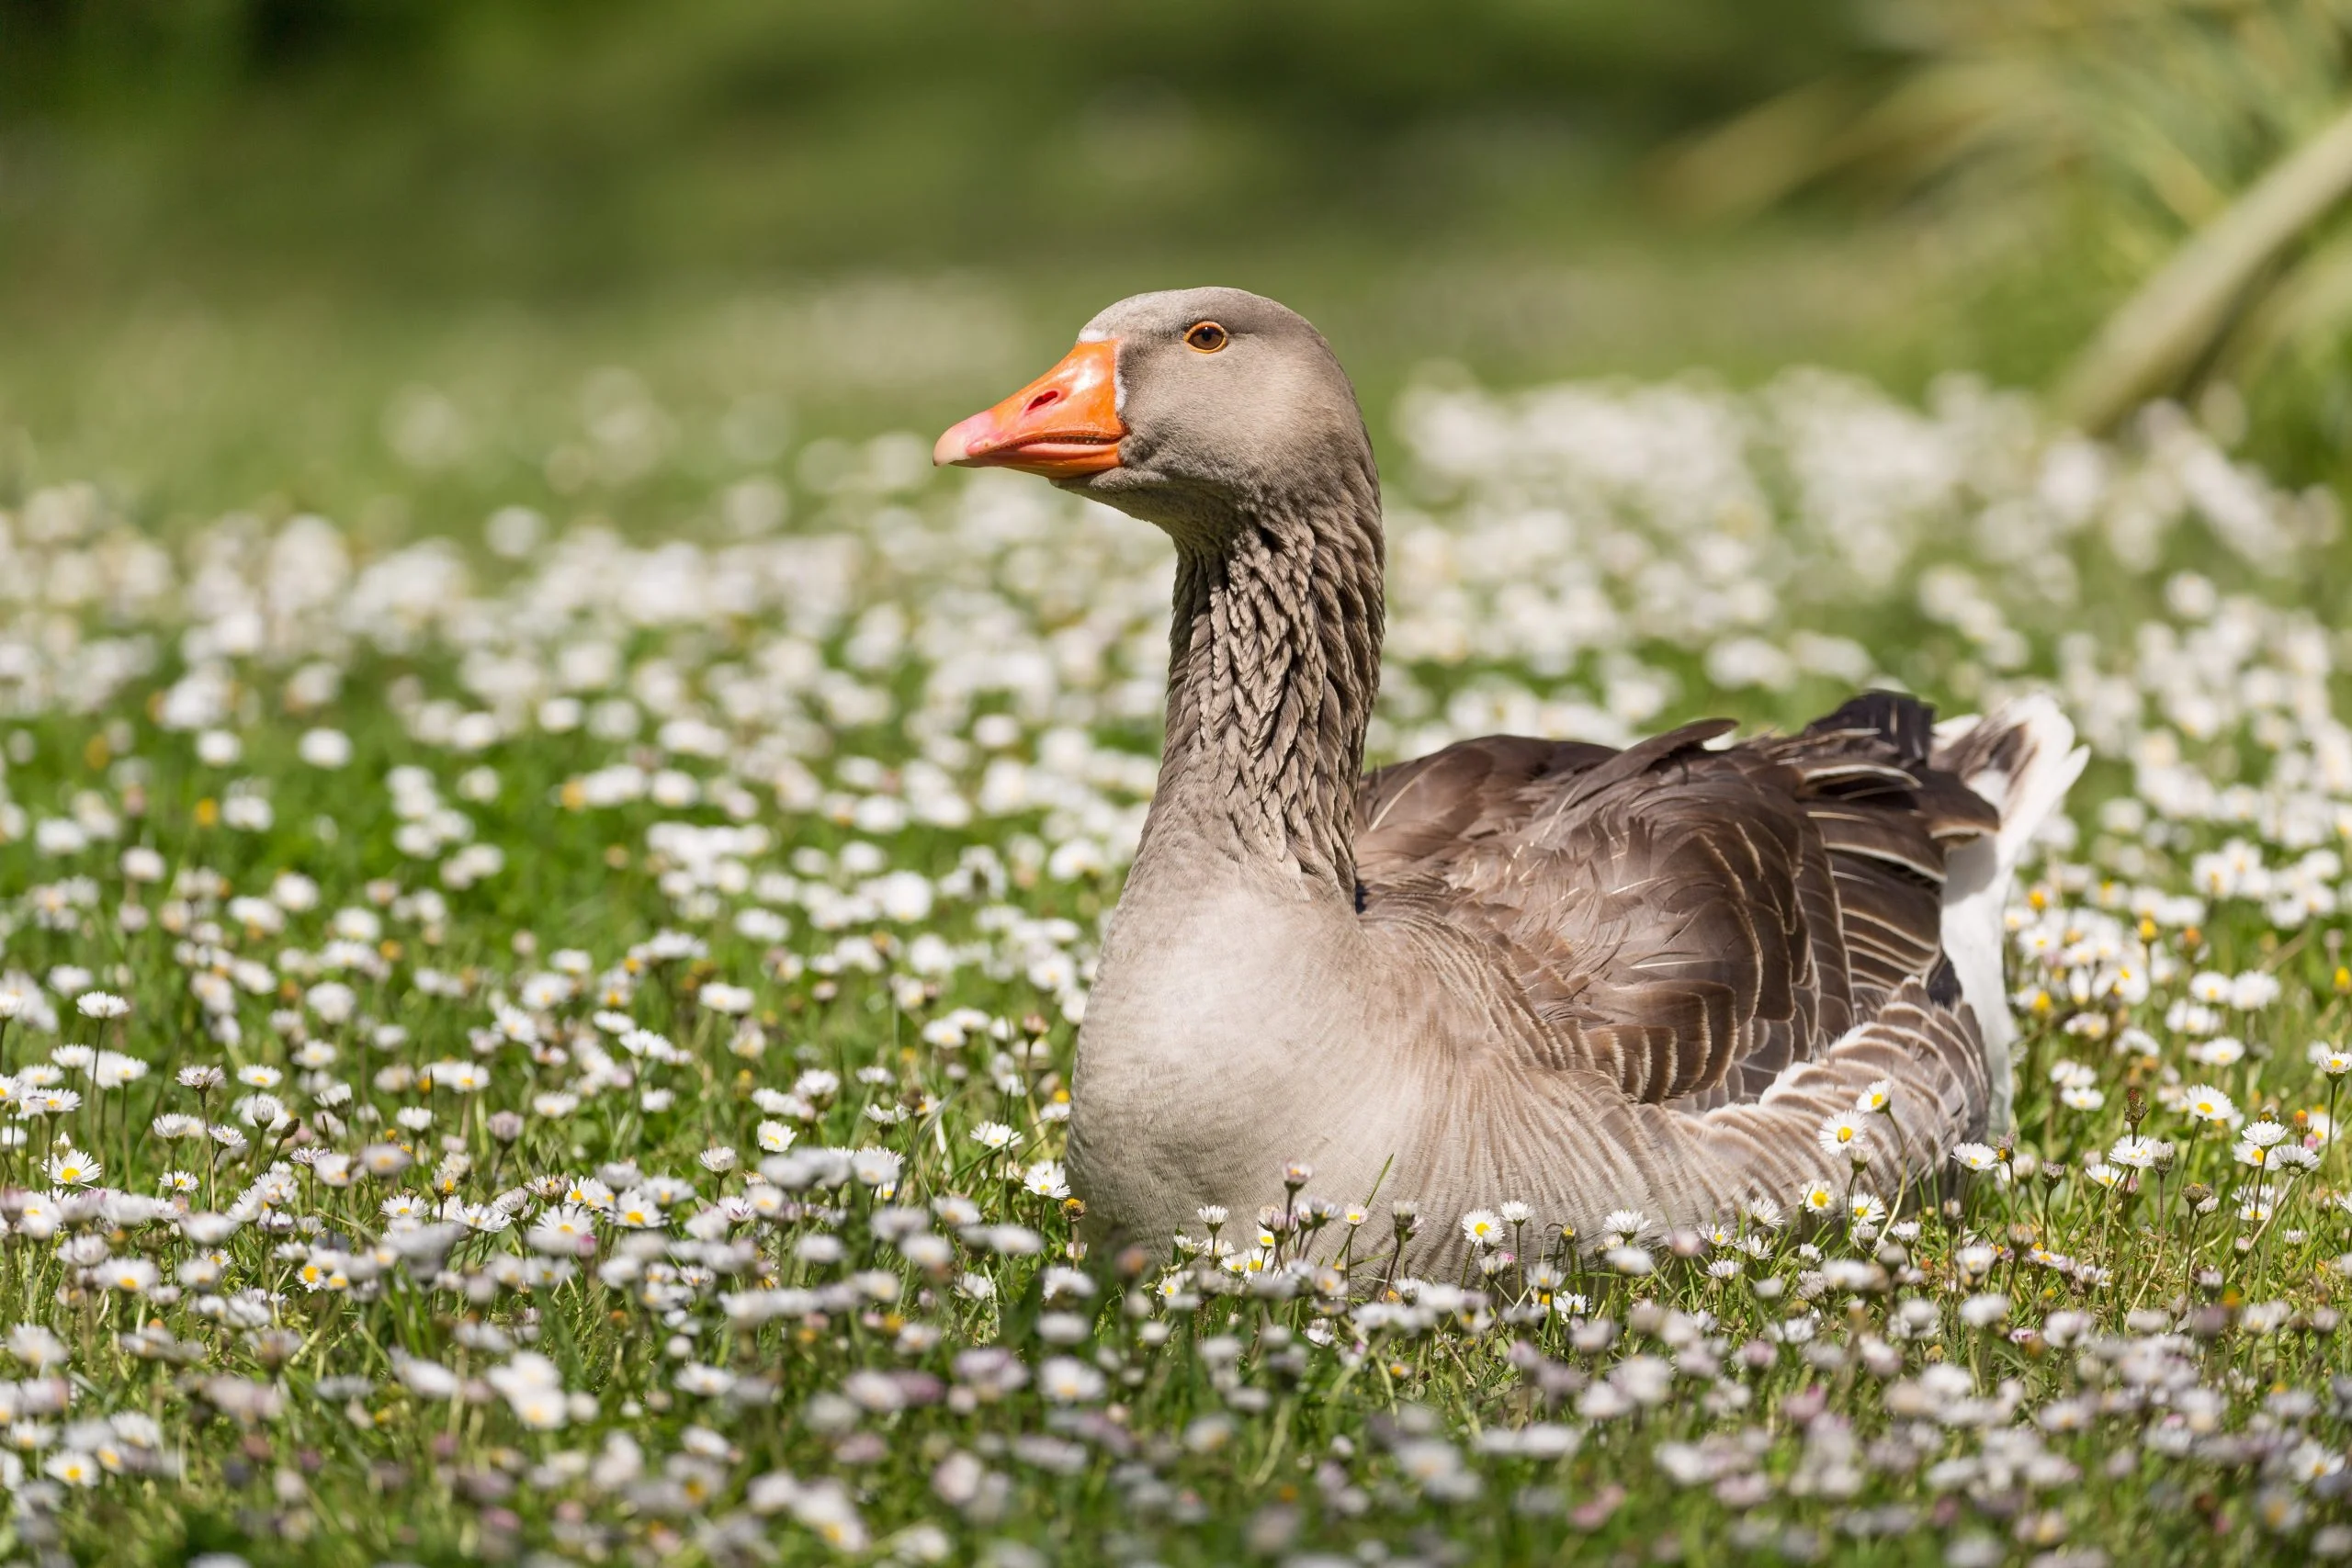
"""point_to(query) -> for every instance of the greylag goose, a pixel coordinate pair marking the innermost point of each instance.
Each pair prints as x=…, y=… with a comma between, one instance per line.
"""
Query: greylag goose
x=1585, y=979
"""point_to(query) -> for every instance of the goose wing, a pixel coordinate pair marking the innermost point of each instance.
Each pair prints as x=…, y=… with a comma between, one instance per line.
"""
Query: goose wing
x=1691, y=921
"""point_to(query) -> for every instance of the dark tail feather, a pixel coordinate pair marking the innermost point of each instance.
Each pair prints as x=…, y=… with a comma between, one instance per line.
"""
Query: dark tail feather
x=1903, y=721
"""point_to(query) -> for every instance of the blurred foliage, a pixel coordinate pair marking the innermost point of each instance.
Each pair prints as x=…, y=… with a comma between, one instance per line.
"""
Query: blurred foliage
x=2081, y=146
x=506, y=144
x=235, y=235
x=2165, y=107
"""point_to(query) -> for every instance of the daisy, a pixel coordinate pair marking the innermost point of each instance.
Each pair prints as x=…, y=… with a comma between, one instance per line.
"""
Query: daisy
x=533, y=1389
x=1841, y=1133
x=69, y=1166
x=590, y=1193
x=1067, y=1381
x=114, y=1070
x=2203, y=1102
x=707, y=1381
x=459, y=1078
x=132, y=1276
x=2332, y=1060
x=1482, y=1227
x=73, y=1467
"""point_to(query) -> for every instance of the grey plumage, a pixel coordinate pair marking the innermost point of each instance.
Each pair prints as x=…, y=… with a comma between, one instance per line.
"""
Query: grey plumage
x=1582, y=977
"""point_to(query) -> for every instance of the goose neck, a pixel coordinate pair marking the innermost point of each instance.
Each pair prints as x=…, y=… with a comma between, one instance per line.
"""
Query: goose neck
x=1275, y=662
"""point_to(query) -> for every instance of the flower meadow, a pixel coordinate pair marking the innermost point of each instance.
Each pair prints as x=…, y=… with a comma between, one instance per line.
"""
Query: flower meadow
x=560, y=1052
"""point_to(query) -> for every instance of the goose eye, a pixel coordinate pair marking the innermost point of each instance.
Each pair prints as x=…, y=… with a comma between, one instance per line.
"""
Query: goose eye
x=1205, y=336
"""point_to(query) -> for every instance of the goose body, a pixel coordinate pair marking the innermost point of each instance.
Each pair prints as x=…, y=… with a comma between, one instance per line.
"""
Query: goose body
x=1586, y=979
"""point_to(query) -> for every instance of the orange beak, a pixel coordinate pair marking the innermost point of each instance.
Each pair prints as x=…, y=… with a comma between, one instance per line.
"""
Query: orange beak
x=1065, y=425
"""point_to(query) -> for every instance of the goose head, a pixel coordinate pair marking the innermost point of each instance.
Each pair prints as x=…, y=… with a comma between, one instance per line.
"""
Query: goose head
x=1192, y=409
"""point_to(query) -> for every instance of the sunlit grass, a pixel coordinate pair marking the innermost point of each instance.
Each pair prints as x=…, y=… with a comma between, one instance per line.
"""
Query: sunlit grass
x=641, y=981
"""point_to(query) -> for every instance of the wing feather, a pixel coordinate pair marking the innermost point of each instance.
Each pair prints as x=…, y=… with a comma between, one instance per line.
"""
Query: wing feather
x=1698, y=923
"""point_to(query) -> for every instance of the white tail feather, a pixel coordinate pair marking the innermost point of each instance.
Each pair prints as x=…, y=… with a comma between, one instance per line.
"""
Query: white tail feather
x=2021, y=759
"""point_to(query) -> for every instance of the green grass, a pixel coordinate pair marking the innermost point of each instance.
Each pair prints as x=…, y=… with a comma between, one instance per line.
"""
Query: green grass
x=696, y=290
x=184, y=404
x=2166, y=1395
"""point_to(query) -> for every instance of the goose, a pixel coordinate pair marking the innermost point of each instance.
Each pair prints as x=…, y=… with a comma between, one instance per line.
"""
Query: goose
x=1639, y=987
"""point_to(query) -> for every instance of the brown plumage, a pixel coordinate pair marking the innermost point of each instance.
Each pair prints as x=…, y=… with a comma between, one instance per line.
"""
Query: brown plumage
x=1583, y=977
x=1691, y=922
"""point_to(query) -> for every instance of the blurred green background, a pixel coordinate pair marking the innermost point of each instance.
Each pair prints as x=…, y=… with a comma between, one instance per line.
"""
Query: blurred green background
x=381, y=257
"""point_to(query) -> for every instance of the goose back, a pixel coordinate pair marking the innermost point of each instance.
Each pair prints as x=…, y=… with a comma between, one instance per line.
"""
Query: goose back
x=1691, y=922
